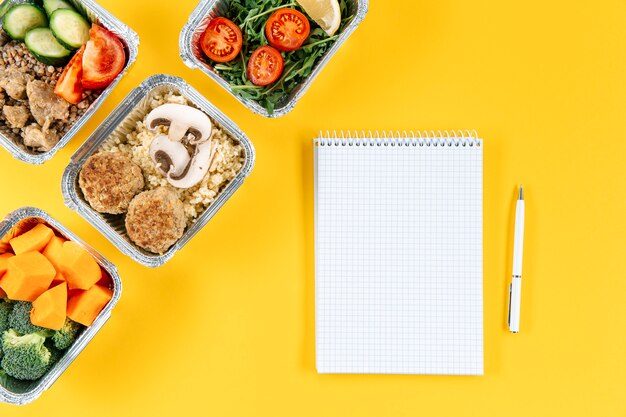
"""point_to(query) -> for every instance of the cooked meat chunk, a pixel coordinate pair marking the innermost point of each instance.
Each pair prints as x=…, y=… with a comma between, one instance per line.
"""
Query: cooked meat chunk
x=46, y=106
x=40, y=139
x=14, y=82
x=17, y=116
x=54, y=116
x=110, y=181
x=156, y=219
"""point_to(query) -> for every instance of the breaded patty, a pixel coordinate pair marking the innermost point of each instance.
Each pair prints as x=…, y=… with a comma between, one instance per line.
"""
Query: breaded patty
x=156, y=219
x=110, y=181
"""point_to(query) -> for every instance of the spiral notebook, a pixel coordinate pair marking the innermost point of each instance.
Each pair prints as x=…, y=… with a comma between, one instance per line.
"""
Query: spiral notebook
x=398, y=253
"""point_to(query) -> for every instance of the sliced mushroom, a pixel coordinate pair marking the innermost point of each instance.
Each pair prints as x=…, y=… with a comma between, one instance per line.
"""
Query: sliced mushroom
x=171, y=158
x=198, y=168
x=182, y=120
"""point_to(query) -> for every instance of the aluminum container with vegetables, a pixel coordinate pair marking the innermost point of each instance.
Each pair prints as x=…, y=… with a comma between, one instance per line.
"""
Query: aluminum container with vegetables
x=60, y=59
x=157, y=170
x=228, y=41
x=56, y=293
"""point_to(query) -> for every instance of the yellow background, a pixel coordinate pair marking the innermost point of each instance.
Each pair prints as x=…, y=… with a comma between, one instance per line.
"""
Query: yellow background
x=227, y=327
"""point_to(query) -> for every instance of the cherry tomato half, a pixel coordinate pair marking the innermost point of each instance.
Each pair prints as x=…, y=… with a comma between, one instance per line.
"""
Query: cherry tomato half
x=69, y=85
x=265, y=66
x=222, y=40
x=287, y=29
x=103, y=59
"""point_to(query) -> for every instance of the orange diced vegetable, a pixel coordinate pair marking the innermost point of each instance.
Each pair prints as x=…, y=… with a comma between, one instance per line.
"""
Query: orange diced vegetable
x=3, y=268
x=50, y=307
x=28, y=276
x=4, y=247
x=85, y=306
x=34, y=240
x=58, y=278
x=80, y=269
x=52, y=251
x=4, y=258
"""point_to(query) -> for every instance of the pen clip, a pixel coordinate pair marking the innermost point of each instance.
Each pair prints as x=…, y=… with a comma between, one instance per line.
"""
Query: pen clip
x=508, y=319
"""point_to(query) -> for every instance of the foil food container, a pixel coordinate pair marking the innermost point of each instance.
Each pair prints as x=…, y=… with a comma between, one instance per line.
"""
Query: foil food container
x=96, y=14
x=192, y=55
x=23, y=392
x=122, y=121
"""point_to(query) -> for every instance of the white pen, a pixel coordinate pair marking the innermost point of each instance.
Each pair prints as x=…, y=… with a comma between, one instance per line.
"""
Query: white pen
x=515, y=290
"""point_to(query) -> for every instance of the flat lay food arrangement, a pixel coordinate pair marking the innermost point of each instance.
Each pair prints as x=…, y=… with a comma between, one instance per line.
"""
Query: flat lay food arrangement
x=312, y=208
x=148, y=181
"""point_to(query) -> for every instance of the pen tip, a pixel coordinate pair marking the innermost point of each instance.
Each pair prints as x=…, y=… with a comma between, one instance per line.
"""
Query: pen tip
x=521, y=192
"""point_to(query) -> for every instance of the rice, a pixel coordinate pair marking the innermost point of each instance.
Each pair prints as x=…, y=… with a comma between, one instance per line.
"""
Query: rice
x=228, y=162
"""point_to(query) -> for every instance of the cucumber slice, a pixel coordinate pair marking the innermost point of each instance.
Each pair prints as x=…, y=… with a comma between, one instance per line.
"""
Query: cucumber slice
x=44, y=46
x=70, y=28
x=22, y=18
x=51, y=5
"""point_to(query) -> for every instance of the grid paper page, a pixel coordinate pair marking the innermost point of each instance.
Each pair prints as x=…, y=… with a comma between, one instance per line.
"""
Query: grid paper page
x=398, y=259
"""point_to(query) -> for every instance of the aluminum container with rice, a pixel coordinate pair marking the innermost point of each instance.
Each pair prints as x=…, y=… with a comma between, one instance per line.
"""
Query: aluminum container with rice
x=56, y=293
x=59, y=61
x=157, y=170
x=267, y=53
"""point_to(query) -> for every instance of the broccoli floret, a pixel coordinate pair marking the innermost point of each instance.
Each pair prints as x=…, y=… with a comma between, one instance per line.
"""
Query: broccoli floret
x=55, y=354
x=12, y=384
x=5, y=311
x=25, y=357
x=3, y=378
x=19, y=320
x=65, y=337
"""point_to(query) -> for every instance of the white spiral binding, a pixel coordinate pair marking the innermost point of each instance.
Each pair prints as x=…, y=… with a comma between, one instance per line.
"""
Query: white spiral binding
x=446, y=138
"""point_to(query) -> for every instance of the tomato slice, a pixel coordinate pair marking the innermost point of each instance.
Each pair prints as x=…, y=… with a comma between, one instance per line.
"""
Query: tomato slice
x=103, y=60
x=69, y=85
x=265, y=66
x=287, y=29
x=222, y=40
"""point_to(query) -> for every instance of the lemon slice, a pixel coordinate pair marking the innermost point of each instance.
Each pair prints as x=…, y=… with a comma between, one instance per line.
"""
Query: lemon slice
x=325, y=13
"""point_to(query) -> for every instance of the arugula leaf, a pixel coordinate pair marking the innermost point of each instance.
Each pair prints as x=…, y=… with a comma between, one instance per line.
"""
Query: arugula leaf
x=251, y=16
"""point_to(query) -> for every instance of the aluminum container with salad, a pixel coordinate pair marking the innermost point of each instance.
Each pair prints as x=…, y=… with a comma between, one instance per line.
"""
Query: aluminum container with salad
x=267, y=52
x=56, y=62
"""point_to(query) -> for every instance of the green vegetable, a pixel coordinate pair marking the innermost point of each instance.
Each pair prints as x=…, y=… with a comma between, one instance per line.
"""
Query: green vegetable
x=25, y=357
x=11, y=383
x=4, y=378
x=251, y=16
x=21, y=18
x=46, y=48
x=51, y=5
x=55, y=354
x=5, y=311
x=65, y=337
x=19, y=320
x=70, y=28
